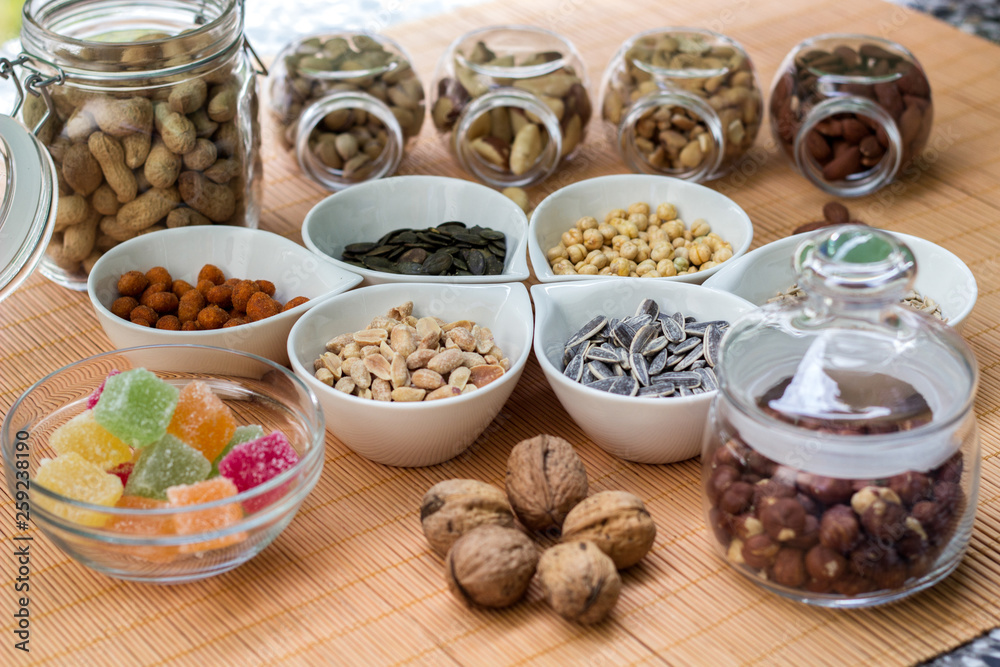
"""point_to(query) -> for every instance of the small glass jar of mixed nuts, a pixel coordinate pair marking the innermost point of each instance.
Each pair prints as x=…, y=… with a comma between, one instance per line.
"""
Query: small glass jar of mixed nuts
x=842, y=463
x=682, y=102
x=346, y=104
x=512, y=103
x=852, y=111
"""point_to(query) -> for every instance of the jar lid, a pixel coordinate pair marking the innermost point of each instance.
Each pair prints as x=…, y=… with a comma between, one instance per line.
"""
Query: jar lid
x=27, y=203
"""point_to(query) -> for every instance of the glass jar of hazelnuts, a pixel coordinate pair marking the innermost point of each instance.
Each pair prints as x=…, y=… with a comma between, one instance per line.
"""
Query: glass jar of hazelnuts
x=852, y=111
x=841, y=463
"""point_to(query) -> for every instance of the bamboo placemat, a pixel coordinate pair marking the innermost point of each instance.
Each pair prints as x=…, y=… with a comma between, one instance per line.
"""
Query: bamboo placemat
x=351, y=581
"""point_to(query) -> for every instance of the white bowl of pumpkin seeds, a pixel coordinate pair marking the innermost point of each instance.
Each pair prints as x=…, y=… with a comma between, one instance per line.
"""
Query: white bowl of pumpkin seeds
x=635, y=420
x=944, y=286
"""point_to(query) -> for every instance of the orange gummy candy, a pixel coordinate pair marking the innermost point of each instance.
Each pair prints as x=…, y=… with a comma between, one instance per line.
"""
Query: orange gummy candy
x=146, y=525
x=201, y=521
x=202, y=420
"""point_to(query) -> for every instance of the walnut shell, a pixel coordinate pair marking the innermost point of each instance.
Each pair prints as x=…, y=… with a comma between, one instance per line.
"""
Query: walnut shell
x=491, y=566
x=580, y=581
x=617, y=522
x=545, y=480
x=452, y=508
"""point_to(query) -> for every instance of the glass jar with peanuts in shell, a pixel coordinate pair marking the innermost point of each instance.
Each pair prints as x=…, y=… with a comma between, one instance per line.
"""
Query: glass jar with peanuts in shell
x=347, y=106
x=149, y=112
x=681, y=102
x=852, y=111
x=511, y=103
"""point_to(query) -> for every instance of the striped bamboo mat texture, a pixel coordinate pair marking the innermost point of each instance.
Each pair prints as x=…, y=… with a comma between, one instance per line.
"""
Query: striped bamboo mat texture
x=352, y=581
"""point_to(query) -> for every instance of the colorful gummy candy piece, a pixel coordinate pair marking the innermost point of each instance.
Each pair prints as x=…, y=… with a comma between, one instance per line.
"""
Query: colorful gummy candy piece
x=145, y=525
x=136, y=406
x=202, y=420
x=75, y=477
x=241, y=435
x=253, y=463
x=123, y=470
x=86, y=437
x=167, y=463
x=201, y=521
x=96, y=394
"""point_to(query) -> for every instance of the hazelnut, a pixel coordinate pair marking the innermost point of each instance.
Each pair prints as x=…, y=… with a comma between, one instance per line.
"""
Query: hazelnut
x=825, y=564
x=732, y=454
x=746, y=526
x=914, y=541
x=862, y=499
x=931, y=518
x=789, y=568
x=452, y=508
x=880, y=565
x=852, y=585
x=817, y=586
x=839, y=529
x=760, y=464
x=768, y=488
x=808, y=504
x=737, y=498
x=545, y=480
x=948, y=496
x=721, y=523
x=719, y=481
x=617, y=522
x=783, y=519
x=735, y=552
x=809, y=537
x=580, y=581
x=884, y=520
x=950, y=470
x=827, y=490
x=911, y=486
x=491, y=566
x=760, y=551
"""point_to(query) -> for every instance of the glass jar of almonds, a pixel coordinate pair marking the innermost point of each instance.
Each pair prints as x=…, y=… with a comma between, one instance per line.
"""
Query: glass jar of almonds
x=511, y=102
x=347, y=106
x=682, y=102
x=852, y=111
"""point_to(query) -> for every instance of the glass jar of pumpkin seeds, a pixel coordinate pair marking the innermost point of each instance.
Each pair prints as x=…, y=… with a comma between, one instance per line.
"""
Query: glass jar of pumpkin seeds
x=346, y=105
x=841, y=461
x=681, y=102
x=511, y=102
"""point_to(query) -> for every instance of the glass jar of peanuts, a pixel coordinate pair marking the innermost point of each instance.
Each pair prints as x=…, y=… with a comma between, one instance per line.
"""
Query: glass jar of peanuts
x=852, y=111
x=511, y=102
x=149, y=112
x=682, y=102
x=346, y=105
x=841, y=462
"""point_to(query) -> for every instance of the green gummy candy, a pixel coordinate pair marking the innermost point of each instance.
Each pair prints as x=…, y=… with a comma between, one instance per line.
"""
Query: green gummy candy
x=136, y=407
x=166, y=463
x=242, y=434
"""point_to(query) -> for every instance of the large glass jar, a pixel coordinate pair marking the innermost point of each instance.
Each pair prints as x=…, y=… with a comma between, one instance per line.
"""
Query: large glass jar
x=841, y=464
x=346, y=104
x=682, y=102
x=153, y=121
x=511, y=102
x=852, y=111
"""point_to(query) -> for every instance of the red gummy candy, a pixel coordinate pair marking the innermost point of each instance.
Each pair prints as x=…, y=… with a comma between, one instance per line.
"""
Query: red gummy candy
x=96, y=395
x=123, y=470
x=252, y=463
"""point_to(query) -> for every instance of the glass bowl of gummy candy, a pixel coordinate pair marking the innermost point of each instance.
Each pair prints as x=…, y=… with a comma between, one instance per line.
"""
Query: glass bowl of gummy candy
x=164, y=476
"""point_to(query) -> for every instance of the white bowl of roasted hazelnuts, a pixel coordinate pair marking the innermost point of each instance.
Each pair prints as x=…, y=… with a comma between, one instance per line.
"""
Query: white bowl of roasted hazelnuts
x=230, y=287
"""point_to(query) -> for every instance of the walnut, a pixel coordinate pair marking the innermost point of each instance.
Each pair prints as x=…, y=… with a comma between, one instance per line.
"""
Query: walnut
x=617, y=522
x=580, y=581
x=491, y=566
x=545, y=479
x=452, y=508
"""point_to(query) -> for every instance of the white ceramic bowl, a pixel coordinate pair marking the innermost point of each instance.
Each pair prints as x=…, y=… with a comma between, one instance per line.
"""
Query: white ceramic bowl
x=414, y=434
x=644, y=430
x=367, y=211
x=240, y=253
x=596, y=196
x=762, y=273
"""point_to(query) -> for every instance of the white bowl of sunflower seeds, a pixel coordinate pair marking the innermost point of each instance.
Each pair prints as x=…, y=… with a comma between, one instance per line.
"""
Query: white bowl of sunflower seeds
x=632, y=360
x=944, y=286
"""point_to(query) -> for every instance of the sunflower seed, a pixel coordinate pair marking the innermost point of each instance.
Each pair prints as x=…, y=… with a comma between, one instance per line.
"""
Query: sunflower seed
x=713, y=337
x=648, y=307
x=573, y=350
x=601, y=353
x=641, y=338
x=680, y=379
x=684, y=391
x=588, y=377
x=691, y=357
x=684, y=347
x=640, y=368
x=658, y=363
x=574, y=370
x=600, y=370
x=625, y=386
x=618, y=370
x=673, y=359
x=658, y=389
x=674, y=332
x=655, y=346
x=623, y=334
x=603, y=385
x=708, y=379
x=698, y=364
x=587, y=330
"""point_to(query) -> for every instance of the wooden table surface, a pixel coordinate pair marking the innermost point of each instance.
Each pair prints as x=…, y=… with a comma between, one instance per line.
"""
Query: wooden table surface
x=351, y=581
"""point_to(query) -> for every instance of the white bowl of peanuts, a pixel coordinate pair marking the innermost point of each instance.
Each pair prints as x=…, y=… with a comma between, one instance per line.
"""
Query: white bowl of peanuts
x=636, y=225
x=411, y=375
x=944, y=287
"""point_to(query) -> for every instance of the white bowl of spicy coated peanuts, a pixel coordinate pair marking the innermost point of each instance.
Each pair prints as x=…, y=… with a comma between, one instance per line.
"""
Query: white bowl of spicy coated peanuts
x=636, y=225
